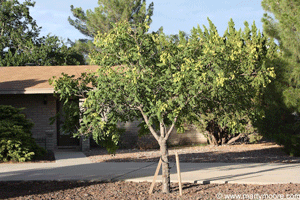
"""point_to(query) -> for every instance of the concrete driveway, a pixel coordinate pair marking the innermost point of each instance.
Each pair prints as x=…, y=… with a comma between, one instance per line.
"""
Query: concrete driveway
x=75, y=166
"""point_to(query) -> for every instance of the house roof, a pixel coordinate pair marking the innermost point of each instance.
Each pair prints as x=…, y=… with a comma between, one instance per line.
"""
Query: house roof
x=34, y=79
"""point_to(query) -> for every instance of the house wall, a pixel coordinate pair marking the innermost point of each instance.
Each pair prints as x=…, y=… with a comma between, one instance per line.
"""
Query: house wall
x=130, y=138
x=189, y=137
x=39, y=108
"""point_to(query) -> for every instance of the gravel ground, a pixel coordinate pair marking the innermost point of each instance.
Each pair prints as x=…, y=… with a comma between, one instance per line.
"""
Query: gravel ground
x=242, y=153
x=130, y=190
x=262, y=153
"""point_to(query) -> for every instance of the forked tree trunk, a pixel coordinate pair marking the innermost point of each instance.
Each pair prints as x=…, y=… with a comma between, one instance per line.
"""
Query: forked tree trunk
x=162, y=141
x=165, y=166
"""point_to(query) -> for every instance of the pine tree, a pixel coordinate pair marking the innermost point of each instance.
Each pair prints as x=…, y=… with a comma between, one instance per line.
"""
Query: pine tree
x=110, y=11
x=103, y=17
x=285, y=27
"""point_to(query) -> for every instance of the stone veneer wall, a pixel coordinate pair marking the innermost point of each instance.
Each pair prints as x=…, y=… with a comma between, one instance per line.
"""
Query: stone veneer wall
x=39, y=108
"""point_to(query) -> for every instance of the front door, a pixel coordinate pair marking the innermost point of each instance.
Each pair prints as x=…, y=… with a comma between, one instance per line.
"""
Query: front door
x=64, y=138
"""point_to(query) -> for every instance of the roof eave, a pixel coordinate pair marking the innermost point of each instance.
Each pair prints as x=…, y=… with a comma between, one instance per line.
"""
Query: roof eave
x=29, y=91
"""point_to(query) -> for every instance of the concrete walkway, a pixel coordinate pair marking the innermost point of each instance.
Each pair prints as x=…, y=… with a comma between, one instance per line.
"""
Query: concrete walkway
x=75, y=166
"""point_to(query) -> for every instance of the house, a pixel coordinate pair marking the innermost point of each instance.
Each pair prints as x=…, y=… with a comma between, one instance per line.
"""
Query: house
x=28, y=87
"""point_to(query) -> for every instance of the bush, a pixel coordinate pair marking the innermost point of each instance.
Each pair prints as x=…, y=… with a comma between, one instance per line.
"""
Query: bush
x=283, y=127
x=16, y=141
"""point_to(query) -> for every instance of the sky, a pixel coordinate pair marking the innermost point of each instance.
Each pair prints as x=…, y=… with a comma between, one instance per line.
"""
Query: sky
x=172, y=15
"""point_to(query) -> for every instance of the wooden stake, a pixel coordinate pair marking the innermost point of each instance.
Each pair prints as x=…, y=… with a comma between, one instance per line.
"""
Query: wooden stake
x=178, y=173
x=155, y=176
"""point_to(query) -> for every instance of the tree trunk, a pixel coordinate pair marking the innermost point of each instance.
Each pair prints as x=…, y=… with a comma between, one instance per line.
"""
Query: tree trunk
x=165, y=166
x=214, y=140
x=232, y=140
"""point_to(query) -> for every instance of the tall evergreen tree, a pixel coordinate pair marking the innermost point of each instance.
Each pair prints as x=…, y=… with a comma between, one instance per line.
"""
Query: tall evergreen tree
x=282, y=96
x=89, y=22
x=282, y=23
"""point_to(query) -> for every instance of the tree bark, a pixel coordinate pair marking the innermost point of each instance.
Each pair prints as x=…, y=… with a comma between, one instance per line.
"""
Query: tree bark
x=213, y=139
x=165, y=166
x=232, y=140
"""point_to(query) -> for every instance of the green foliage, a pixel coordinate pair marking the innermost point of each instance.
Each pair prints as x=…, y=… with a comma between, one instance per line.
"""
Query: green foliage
x=101, y=20
x=282, y=96
x=108, y=12
x=237, y=70
x=69, y=88
x=21, y=45
x=166, y=80
x=16, y=142
x=285, y=28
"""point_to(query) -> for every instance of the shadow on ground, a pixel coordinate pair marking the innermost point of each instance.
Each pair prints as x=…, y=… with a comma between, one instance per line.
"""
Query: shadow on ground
x=267, y=155
x=14, y=189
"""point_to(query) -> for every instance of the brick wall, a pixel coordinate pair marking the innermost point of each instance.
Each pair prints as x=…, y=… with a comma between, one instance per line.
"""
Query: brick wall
x=39, y=108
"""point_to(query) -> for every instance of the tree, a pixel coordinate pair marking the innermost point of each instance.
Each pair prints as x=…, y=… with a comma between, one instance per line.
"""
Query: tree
x=17, y=26
x=21, y=45
x=163, y=81
x=103, y=17
x=282, y=98
x=285, y=28
x=230, y=111
x=101, y=20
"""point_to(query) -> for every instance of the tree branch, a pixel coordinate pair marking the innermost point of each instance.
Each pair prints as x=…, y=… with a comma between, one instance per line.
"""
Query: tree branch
x=170, y=130
x=147, y=122
x=162, y=130
x=232, y=140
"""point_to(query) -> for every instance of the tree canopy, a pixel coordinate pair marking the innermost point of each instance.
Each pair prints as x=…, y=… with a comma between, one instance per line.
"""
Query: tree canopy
x=20, y=43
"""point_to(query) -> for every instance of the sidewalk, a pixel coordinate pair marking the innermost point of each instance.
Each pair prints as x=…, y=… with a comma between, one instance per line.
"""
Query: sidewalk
x=75, y=166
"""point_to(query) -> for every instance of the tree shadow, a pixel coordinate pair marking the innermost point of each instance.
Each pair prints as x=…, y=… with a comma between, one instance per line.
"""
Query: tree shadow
x=14, y=189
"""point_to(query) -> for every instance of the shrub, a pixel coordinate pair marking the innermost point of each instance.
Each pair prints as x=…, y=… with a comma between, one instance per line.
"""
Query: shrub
x=16, y=141
x=283, y=127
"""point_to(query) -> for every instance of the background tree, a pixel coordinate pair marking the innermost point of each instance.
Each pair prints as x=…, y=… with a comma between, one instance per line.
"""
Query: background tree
x=21, y=45
x=108, y=12
x=17, y=26
x=282, y=99
x=163, y=81
x=285, y=28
